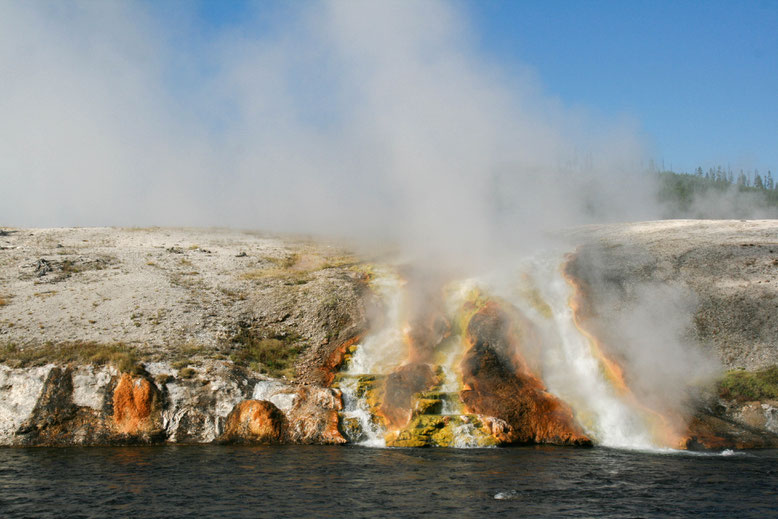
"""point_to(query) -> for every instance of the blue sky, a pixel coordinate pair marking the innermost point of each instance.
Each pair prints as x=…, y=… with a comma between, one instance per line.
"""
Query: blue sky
x=700, y=78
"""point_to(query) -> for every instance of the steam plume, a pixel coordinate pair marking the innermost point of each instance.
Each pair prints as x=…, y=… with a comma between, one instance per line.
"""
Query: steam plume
x=363, y=119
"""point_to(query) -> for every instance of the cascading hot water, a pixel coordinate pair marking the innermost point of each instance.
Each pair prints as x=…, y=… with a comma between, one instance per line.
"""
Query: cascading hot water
x=532, y=372
x=574, y=366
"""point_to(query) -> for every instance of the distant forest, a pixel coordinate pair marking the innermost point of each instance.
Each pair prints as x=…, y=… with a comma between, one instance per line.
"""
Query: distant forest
x=718, y=193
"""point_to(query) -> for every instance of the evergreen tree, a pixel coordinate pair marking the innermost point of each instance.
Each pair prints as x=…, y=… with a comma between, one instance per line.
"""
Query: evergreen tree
x=768, y=183
x=758, y=180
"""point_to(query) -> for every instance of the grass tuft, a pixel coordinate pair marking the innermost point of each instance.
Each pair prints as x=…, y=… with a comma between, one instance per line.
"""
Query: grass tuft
x=187, y=373
x=268, y=355
x=744, y=385
x=119, y=355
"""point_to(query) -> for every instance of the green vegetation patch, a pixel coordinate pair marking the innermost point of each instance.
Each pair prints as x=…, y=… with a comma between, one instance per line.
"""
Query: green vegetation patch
x=119, y=355
x=298, y=267
x=750, y=385
x=268, y=355
x=442, y=431
x=187, y=373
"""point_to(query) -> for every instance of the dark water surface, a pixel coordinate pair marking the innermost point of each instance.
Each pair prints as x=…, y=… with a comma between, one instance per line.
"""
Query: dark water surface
x=317, y=481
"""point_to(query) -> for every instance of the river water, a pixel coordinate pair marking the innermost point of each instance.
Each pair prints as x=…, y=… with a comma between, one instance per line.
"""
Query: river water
x=319, y=481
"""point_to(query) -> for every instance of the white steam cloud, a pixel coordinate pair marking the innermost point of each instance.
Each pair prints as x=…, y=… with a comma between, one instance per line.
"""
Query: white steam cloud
x=354, y=118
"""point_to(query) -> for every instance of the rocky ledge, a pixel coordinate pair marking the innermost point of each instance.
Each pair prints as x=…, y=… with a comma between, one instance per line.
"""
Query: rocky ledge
x=88, y=405
x=126, y=336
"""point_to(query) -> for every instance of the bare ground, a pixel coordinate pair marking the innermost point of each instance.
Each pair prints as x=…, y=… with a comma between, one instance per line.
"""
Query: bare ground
x=731, y=266
x=164, y=291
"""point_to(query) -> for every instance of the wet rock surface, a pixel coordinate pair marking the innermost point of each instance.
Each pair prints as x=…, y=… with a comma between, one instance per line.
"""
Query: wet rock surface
x=136, y=406
x=400, y=387
x=729, y=424
x=525, y=411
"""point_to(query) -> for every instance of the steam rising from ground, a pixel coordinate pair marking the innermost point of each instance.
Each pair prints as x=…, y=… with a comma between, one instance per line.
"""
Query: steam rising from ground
x=355, y=118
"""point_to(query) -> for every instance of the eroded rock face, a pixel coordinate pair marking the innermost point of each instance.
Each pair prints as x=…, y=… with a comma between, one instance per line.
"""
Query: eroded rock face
x=311, y=411
x=519, y=407
x=734, y=425
x=87, y=405
x=341, y=318
x=329, y=359
x=708, y=432
x=254, y=421
x=57, y=420
x=195, y=408
x=758, y=415
x=19, y=391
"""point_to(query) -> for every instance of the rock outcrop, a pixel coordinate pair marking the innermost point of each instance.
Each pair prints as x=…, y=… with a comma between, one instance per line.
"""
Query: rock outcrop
x=254, y=421
x=136, y=406
x=86, y=405
x=399, y=389
x=499, y=385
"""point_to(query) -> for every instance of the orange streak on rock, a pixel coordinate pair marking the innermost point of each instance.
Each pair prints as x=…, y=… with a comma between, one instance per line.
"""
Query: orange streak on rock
x=663, y=429
x=254, y=421
x=399, y=389
x=133, y=402
x=331, y=431
x=335, y=360
x=521, y=409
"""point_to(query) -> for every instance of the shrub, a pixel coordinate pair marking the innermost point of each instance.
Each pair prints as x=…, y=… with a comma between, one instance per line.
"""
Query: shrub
x=164, y=378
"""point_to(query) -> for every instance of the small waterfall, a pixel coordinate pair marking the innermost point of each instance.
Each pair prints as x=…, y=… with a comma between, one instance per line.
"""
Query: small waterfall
x=571, y=368
x=375, y=356
x=358, y=422
x=385, y=349
x=379, y=354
